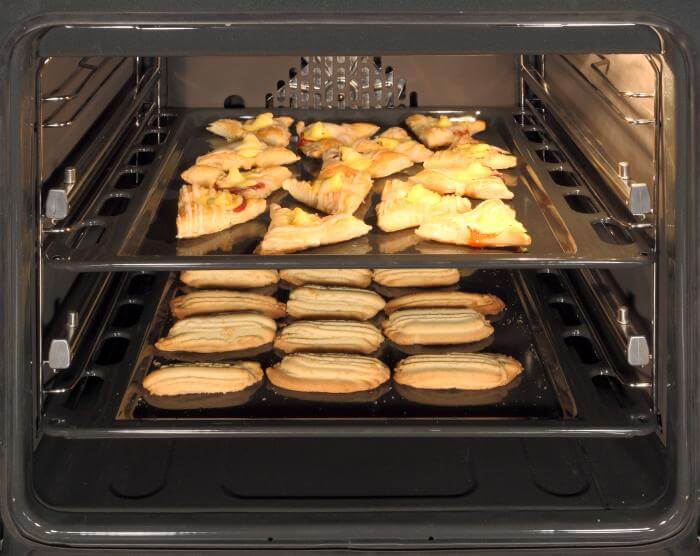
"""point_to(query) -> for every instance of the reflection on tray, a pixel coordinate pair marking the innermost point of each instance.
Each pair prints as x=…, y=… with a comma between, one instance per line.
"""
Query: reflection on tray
x=191, y=357
x=201, y=401
x=319, y=397
x=234, y=240
x=456, y=398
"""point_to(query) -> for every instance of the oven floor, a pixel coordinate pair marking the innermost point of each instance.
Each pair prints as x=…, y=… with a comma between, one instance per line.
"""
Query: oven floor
x=206, y=475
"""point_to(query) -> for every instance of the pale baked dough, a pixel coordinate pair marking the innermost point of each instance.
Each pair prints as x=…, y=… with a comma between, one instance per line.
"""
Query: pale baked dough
x=491, y=224
x=329, y=373
x=377, y=164
x=322, y=302
x=272, y=130
x=484, y=303
x=463, y=155
x=315, y=139
x=231, y=279
x=202, y=378
x=340, y=336
x=202, y=211
x=296, y=230
x=258, y=183
x=474, y=180
x=463, y=371
x=203, y=302
x=247, y=153
x=350, y=277
x=415, y=277
x=443, y=131
x=219, y=333
x=394, y=139
x=436, y=326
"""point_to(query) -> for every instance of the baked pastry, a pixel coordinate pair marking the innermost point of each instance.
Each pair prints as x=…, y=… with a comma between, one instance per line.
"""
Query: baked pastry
x=340, y=336
x=407, y=205
x=339, y=192
x=296, y=230
x=322, y=302
x=415, y=277
x=397, y=140
x=461, y=156
x=202, y=210
x=378, y=164
x=484, y=303
x=316, y=138
x=205, y=302
x=232, y=279
x=219, y=333
x=203, y=378
x=475, y=180
x=436, y=326
x=350, y=277
x=443, y=131
x=330, y=373
x=463, y=371
x=252, y=184
x=491, y=224
x=269, y=129
x=247, y=153
x=234, y=240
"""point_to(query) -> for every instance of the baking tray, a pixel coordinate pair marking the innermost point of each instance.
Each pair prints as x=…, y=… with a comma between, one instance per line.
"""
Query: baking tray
x=555, y=395
x=568, y=226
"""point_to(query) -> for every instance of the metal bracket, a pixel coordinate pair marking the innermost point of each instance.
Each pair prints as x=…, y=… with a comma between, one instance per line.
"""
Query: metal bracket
x=639, y=200
x=637, y=347
x=60, y=355
x=57, y=204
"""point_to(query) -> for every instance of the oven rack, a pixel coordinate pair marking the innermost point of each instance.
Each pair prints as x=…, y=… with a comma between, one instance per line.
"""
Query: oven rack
x=568, y=389
x=135, y=229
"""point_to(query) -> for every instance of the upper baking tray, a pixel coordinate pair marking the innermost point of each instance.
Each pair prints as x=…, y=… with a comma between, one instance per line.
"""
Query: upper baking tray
x=130, y=224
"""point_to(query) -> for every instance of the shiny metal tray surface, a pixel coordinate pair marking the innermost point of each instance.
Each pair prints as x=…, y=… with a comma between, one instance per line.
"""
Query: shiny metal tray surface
x=132, y=225
x=558, y=394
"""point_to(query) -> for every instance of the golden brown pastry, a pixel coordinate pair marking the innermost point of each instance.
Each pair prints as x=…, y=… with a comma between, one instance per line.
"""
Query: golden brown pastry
x=322, y=302
x=252, y=184
x=491, y=224
x=219, y=333
x=443, y=131
x=475, y=180
x=247, y=153
x=415, y=277
x=484, y=303
x=205, y=302
x=202, y=210
x=407, y=205
x=272, y=130
x=397, y=140
x=377, y=164
x=296, y=230
x=339, y=336
x=231, y=279
x=317, y=138
x=350, y=277
x=463, y=371
x=202, y=378
x=329, y=373
x=461, y=156
x=436, y=326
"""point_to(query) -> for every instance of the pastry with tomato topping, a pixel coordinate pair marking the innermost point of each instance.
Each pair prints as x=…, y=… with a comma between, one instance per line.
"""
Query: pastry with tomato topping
x=318, y=137
x=464, y=154
x=491, y=224
x=247, y=153
x=258, y=183
x=443, y=131
x=293, y=230
x=407, y=205
x=269, y=129
x=203, y=210
x=475, y=180
x=396, y=140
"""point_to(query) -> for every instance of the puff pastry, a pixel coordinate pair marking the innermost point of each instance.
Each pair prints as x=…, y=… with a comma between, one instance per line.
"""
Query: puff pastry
x=202, y=378
x=232, y=279
x=378, y=164
x=316, y=138
x=475, y=180
x=415, y=277
x=253, y=184
x=443, y=131
x=484, y=303
x=407, y=205
x=322, y=302
x=202, y=211
x=350, y=277
x=397, y=140
x=463, y=155
x=342, y=336
x=225, y=301
x=329, y=373
x=491, y=224
x=247, y=153
x=296, y=230
x=219, y=333
x=272, y=130
x=436, y=326
x=462, y=371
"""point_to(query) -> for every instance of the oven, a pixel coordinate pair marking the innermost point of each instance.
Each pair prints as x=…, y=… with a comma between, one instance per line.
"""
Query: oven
x=593, y=445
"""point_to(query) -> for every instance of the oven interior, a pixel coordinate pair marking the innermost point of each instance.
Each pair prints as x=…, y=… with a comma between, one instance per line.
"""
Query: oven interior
x=583, y=436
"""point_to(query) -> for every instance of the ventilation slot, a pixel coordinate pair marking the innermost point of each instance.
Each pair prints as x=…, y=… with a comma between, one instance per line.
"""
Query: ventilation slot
x=611, y=389
x=524, y=119
x=551, y=282
x=163, y=120
x=155, y=137
x=583, y=348
x=129, y=180
x=84, y=393
x=567, y=313
x=581, y=203
x=112, y=351
x=114, y=206
x=550, y=156
x=534, y=136
x=141, y=158
x=609, y=232
x=563, y=178
x=127, y=315
x=141, y=284
x=88, y=236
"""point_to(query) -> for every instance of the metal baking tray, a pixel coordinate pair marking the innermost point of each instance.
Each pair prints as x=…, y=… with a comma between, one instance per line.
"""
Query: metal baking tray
x=132, y=225
x=558, y=394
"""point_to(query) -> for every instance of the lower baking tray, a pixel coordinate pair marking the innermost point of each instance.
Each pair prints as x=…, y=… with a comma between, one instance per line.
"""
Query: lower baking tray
x=565, y=390
x=131, y=221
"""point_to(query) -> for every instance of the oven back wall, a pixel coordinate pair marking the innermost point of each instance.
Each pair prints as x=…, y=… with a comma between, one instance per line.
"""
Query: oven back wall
x=205, y=81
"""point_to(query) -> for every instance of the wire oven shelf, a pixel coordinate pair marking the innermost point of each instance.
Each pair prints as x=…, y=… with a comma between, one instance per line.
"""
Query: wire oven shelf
x=567, y=225
x=566, y=389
